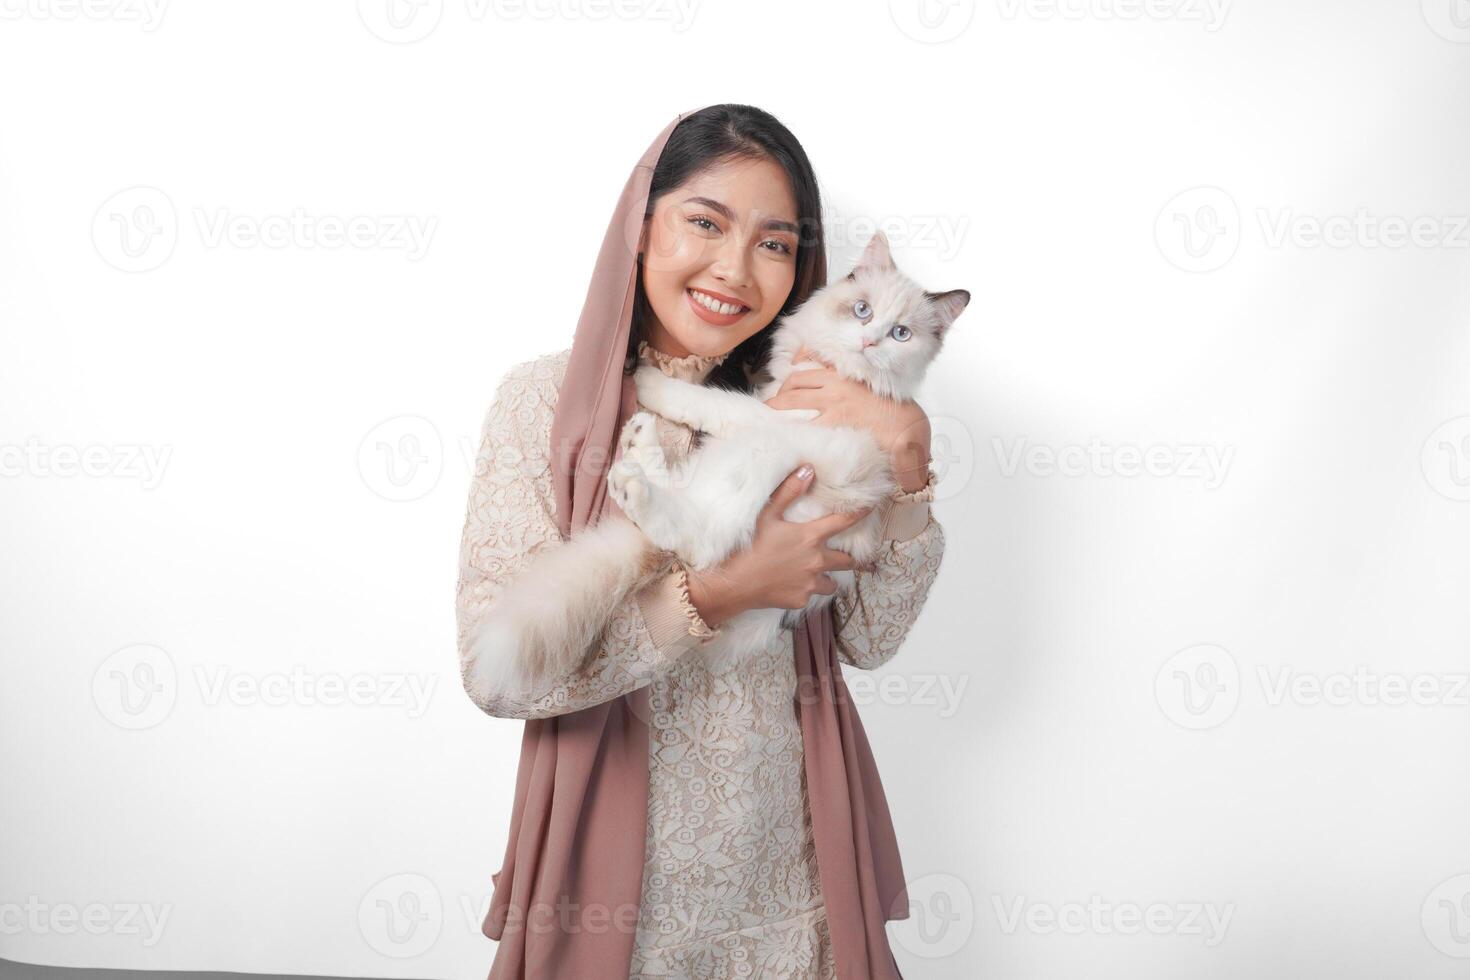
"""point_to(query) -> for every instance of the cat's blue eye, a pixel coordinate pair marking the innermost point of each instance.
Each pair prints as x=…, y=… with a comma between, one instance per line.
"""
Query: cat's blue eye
x=900, y=332
x=862, y=310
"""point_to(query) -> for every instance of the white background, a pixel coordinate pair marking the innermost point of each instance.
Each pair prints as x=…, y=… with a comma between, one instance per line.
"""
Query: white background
x=312, y=407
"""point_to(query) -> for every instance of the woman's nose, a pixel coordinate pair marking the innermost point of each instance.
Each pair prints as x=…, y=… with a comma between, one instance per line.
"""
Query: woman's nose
x=731, y=265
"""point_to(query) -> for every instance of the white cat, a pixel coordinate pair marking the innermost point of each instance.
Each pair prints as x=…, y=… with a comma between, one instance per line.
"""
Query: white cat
x=876, y=326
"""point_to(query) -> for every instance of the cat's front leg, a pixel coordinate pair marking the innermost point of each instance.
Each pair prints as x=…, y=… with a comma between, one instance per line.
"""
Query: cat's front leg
x=640, y=483
x=711, y=410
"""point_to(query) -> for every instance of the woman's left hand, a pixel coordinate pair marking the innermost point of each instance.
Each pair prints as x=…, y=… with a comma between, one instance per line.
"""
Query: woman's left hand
x=900, y=428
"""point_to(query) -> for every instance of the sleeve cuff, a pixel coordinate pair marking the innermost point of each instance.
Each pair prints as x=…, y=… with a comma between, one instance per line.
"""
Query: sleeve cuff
x=672, y=621
x=908, y=513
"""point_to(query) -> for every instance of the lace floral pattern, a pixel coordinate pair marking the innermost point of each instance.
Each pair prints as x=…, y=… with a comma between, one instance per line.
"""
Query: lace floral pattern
x=730, y=882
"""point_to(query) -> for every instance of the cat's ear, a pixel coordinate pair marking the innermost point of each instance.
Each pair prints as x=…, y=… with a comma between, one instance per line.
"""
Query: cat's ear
x=875, y=257
x=949, y=304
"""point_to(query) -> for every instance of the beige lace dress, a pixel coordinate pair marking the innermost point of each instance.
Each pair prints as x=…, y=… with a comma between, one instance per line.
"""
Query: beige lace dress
x=730, y=883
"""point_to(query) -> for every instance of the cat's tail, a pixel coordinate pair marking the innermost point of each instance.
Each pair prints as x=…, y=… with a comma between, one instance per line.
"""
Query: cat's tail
x=543, y=625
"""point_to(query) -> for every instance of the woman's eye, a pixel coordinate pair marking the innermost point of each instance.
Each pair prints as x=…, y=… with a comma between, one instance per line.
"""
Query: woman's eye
x=781, y=246
x=703, y=223
x=900, y=332
x=862, y=310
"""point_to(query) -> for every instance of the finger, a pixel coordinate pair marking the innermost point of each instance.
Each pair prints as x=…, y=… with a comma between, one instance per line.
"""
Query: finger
x=792, y=487
x=825, y=585
x=834, y=560
x=809, y=379
x=831, y=524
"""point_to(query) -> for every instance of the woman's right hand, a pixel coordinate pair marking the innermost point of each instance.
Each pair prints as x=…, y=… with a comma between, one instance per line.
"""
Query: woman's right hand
x=786, y=564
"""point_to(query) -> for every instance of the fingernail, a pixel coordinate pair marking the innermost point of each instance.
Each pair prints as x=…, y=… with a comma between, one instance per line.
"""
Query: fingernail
x=804, y=472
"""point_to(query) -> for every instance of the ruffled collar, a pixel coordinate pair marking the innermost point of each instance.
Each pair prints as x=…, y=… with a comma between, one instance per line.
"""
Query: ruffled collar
x=693, y=368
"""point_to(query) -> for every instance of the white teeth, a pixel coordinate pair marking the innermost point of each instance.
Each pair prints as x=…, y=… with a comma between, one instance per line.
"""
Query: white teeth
x=710, y=303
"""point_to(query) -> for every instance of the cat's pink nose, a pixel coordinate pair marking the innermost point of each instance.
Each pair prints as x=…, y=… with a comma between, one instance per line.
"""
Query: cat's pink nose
x=869, y=343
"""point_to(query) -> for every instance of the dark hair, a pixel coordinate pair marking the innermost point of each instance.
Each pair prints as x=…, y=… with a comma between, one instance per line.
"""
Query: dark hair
x=710, y=136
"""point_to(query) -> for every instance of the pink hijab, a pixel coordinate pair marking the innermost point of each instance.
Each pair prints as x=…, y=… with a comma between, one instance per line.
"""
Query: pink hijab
x=566, y=899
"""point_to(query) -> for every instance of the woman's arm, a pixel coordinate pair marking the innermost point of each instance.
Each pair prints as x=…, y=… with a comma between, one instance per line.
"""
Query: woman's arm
x=510, y=519
x=874, y=618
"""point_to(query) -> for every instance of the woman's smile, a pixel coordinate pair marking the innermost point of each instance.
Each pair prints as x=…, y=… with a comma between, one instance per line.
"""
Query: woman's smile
x=715, y=308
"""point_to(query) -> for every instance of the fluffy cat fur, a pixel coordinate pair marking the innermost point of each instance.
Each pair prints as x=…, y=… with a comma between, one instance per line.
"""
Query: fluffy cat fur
x=703, y=507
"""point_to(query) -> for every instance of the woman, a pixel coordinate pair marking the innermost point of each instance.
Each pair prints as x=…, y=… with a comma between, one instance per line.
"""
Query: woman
x=734, y=784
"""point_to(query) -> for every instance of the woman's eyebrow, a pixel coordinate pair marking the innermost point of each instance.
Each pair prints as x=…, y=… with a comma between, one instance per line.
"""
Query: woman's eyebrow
x=774, y=224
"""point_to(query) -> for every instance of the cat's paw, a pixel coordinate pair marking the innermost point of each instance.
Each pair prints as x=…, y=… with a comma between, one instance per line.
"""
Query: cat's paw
x=629, y=487
x=640, y=445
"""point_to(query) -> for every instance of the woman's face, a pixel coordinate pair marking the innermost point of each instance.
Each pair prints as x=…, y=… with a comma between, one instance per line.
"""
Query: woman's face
x=719, y=257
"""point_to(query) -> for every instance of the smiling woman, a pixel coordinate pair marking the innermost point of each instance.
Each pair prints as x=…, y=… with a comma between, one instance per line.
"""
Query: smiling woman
x=767, y=848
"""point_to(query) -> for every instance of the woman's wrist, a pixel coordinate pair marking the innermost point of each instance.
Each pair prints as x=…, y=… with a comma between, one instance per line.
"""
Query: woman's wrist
x=713, y=597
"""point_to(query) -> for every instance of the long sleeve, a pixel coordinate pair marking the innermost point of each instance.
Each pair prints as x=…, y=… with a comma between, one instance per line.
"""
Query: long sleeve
x=510, y=518
x=875, y=617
